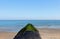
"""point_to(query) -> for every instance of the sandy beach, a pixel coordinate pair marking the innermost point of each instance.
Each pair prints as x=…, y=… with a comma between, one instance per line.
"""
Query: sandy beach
x=45, y=33
x=50, y=33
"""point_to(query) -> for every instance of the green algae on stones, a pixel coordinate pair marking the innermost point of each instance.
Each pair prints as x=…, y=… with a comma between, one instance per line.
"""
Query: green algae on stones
x=30, y=27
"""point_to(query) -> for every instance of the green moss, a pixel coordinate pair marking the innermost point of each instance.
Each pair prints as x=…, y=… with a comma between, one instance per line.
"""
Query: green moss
x=30, y=27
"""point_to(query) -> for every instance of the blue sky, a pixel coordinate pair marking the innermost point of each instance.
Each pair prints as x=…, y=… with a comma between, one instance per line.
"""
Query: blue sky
x=30, y=9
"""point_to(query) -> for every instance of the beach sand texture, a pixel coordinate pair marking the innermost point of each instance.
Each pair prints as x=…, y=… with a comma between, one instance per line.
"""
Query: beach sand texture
x=45, y=33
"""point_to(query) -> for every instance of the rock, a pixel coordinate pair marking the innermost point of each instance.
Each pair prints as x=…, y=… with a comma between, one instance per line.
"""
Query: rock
x=28, y=32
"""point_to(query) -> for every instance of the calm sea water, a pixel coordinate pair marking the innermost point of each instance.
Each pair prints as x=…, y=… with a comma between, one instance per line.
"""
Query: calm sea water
x=16, y=25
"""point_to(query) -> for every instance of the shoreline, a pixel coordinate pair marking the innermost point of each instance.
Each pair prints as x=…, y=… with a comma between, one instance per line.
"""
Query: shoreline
x=45, y=33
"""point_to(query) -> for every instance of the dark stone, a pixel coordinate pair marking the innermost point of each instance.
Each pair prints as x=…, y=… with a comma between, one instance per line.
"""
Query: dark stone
x=28, y=34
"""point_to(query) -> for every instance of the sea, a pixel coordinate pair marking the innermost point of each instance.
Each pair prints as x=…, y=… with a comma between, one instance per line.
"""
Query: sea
x=17, y=25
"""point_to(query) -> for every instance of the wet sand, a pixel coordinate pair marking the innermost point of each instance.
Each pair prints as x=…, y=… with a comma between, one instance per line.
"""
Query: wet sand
x=45, y=33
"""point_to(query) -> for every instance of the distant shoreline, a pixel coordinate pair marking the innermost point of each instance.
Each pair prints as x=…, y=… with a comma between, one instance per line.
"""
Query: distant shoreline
x=16, y=30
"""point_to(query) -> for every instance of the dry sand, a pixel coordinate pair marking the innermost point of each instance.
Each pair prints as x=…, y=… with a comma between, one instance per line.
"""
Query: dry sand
x=45, y=33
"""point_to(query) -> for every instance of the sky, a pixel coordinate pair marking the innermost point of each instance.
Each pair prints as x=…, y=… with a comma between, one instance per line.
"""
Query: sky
x=29, y=9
